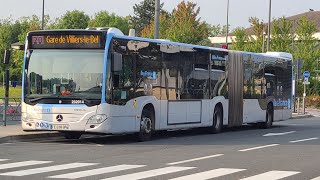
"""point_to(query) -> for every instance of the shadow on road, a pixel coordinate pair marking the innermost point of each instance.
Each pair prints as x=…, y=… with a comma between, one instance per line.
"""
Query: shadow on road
x=199, y=136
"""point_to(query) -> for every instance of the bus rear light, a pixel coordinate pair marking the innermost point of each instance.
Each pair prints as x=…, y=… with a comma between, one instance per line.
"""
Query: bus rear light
x=97, y=119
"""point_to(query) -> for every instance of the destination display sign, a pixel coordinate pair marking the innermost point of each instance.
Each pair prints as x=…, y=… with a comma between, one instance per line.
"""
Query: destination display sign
x=66, y=41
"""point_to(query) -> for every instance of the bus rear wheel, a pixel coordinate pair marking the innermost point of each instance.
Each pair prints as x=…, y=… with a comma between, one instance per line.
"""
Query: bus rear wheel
x=72, y=135
x=269, y=118
x=217, y=120
x=146, y=125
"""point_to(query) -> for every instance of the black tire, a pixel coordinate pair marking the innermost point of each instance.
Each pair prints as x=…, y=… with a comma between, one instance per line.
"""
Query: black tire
x=72, y=135
x=217, y=120
x=146, y=125
x=269, y=118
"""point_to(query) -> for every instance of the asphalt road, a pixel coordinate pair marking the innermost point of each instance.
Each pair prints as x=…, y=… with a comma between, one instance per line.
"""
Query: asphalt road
x=290, y=150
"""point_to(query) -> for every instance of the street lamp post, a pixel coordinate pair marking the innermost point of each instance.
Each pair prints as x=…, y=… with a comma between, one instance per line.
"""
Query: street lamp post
x=227, y=23
x=263, y=40
x=268, y=42
x=156, y=19
x=42, y=15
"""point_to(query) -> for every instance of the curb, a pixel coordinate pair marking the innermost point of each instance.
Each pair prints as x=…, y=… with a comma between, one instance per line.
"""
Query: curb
x=28, y=137
x=302, y=116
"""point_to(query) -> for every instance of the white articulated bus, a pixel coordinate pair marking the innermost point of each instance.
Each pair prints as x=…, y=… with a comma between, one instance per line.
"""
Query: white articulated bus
x=98, y=81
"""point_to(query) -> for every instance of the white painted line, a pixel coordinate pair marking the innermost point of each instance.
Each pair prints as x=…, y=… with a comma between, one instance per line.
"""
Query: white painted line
x=297, y=124
x=272, y=175
x=21, y=164
x=259, y=147
x=278, y=134
x=4, y=159
x=151, y=173
x=93, y=172
x=301, y=140
x=195, y=159
x=209, y=174
x=316, y=178
x=46, y=169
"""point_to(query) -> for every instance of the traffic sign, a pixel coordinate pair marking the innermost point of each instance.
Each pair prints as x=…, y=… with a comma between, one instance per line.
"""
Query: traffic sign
x=306, y=80
x=306, y=74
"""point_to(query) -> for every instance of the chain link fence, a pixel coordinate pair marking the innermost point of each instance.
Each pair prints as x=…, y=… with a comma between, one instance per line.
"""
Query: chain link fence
x=13, y=111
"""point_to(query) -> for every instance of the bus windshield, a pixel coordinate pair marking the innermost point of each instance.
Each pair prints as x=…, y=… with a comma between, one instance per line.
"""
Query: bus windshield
x=68, y=74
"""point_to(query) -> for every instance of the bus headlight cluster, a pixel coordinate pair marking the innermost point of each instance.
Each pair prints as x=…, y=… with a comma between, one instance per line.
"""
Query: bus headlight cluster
x=97, y=119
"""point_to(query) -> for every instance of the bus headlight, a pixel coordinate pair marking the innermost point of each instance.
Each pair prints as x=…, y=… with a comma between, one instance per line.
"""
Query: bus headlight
x=97, y=119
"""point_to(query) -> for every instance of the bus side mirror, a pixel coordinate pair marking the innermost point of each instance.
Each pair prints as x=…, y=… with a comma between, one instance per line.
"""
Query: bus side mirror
x=17, y=46
x=6, y=58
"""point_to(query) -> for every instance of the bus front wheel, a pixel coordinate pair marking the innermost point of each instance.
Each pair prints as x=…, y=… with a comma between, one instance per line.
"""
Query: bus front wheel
x=146, y=125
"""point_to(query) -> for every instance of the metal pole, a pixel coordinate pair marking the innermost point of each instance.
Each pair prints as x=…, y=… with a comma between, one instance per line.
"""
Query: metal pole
x=263, y=39
x=227, y=23
x=268, y=42
x=6, y=98
x=42, y=14
x=157, y=19
x=304, y=99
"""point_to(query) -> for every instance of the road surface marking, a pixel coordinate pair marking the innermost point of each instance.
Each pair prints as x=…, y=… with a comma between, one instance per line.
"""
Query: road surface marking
x=21, y=164
x=272, y=175
x=46, y=169
x=259, y=147
x=301, y=140
x=4, y=159
x=316, y=178
x=151, y=173
x=278, y=134
x=209, y=174
x=93, y=172
x=297, y=124
x=195, y=159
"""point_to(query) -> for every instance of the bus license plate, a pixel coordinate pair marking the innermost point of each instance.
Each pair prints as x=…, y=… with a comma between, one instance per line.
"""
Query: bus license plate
x=60, y=126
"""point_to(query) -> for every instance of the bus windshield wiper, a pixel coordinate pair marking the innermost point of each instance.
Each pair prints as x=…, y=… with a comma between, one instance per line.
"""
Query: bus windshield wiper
x=40, y=98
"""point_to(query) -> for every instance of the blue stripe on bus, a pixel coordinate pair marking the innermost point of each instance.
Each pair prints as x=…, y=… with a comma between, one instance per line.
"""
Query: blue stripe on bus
x=23, y=68
x=105, y=62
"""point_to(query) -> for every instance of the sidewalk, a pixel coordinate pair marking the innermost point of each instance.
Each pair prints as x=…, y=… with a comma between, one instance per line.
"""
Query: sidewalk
x=15, y=132
x=310, y=112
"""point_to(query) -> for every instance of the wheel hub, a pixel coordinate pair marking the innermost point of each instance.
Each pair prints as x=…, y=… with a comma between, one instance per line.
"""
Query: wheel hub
x=146, y=124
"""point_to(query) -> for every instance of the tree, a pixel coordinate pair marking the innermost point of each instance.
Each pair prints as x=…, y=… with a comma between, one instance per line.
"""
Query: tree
x=184, y=26
x=73, y=20
x=241, y=39
x=307, y=49
x=9, y=33
x=256, y=40
x=282, y=35
x=215, y=30
x=148, y=31
x=143, y=14
x=104, y=19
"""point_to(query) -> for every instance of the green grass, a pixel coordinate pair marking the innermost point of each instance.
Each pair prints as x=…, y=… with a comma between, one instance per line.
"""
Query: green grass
x=13, y=92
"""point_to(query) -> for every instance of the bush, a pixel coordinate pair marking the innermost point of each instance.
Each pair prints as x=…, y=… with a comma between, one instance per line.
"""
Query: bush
x=313, y=101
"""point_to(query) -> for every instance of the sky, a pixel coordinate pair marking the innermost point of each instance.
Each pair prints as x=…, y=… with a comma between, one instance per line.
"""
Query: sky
x=211, y=11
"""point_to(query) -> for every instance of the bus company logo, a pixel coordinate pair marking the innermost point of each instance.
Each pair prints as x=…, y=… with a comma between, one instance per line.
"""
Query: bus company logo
x=37, y=39
x=59, y=118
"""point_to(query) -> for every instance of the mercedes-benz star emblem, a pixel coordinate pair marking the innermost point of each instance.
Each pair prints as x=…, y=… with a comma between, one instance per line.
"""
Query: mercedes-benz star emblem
x=59, y=118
